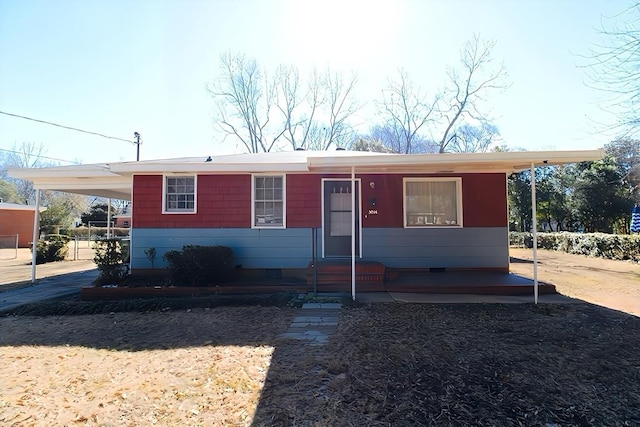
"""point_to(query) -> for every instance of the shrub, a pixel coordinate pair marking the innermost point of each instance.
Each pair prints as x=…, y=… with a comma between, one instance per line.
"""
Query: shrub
x=199, y=265
x=176, y=266
x=151, y=255
x=111, y=256
x=52, y=248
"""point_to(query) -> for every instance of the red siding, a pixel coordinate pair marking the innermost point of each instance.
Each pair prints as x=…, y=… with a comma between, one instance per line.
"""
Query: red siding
x=484, y=199
x=224, y=201
x=304, y=202
x=387, y=192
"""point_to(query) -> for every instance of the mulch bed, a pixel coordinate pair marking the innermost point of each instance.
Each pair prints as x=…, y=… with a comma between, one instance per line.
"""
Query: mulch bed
x=75, y=306
x=483, y=365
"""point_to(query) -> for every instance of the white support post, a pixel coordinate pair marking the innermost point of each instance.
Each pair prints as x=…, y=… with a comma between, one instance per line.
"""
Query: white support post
x=36, y=235
x=353, y=233
x=534, y=233
x=109, y=219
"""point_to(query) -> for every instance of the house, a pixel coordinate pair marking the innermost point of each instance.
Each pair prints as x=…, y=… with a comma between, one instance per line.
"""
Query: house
x=278, y=211
x=123, y=219
x=16, y=225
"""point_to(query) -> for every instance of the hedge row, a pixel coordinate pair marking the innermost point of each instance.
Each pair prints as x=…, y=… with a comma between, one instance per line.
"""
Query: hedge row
x=599, y=245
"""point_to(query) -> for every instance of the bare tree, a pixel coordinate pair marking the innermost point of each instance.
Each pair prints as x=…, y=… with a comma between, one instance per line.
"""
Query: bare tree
x=245, y=98
x=613, y=67
x=320, y=118
x=340, y=107
x=30, y=155
x=473, y=139
x=26, y=155
x=298, y=111
x=479, y=75
x=406, y=112
x=265, y=113
x=412, y=120
x=391, y=136
x=372, y=145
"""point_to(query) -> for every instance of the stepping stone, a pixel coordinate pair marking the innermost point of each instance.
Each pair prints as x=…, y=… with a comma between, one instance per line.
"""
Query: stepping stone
x=316, y=323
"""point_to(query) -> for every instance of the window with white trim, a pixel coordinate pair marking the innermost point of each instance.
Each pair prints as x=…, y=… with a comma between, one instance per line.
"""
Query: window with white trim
x=268, y=201
x=179, y=195
x=432, y=202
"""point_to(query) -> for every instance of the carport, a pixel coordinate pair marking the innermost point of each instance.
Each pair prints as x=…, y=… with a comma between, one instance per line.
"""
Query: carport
x=90, y=180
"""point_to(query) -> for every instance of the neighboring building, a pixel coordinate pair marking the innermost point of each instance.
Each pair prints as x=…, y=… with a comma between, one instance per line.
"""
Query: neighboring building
x=278, y=210
x=17, y=220
x=123, y=219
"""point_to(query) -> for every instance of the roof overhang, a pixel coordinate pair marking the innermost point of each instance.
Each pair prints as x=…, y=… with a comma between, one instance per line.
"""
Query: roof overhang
x=114, y=180
x=498, y=162
x=93, y=180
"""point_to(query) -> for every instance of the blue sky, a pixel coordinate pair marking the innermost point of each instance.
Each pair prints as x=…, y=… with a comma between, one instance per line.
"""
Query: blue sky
x=116, y=67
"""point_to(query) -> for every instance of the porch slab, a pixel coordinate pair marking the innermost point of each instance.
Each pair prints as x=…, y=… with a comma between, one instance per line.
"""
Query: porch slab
x=466, y=282
x=425, y=298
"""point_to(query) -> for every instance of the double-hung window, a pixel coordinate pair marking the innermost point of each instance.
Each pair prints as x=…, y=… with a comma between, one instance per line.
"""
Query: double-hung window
x=179, y=195
x=268, y=201
x=432, y=202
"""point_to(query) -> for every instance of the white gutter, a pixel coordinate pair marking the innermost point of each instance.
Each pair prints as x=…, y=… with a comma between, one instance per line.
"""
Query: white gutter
x=36, y=234
x=534, y=233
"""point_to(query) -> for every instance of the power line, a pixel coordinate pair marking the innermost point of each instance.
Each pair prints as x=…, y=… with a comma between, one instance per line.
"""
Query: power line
x=67, y=127
x=39, y=157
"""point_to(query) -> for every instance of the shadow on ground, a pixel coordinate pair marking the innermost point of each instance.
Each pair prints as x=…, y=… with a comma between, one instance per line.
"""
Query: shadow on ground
x=399, y=364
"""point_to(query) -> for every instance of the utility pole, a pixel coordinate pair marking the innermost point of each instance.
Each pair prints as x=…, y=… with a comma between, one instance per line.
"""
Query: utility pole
x=136, y=135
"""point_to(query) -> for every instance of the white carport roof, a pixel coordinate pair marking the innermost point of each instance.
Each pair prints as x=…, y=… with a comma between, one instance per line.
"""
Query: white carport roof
x=114, y=179
x=93, y=179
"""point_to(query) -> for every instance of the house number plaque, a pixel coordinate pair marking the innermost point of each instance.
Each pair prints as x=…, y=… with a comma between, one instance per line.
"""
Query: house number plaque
x=373, y=211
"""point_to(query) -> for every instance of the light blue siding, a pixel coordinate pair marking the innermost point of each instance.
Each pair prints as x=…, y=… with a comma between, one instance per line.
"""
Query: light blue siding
x=252, y=248
x=485, y=247
x=291, y=248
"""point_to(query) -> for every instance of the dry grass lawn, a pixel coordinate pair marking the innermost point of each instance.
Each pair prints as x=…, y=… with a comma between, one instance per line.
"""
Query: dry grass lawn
x=196, y=367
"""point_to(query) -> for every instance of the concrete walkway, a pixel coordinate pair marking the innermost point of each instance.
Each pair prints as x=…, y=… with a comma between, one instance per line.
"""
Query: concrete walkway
x=315, y=323
x=63, y=284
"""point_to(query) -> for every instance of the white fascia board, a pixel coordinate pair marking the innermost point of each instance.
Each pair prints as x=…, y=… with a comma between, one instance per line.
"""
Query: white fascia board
x=499, y=161
x=80, y=171
x=88, y=182
x=108, y=191
x=168, y=168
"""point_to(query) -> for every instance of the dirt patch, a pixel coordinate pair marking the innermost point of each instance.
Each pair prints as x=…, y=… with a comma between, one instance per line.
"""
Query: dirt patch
x=613, y=284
